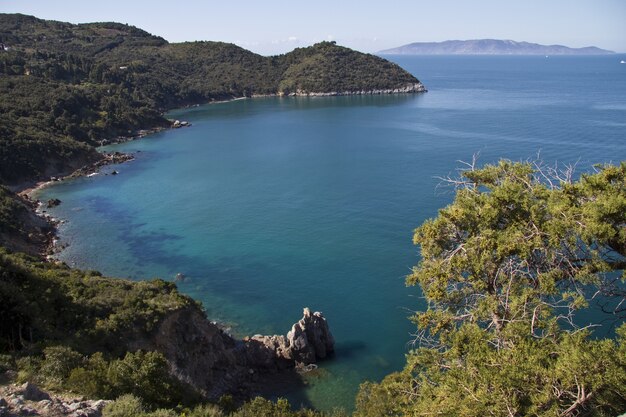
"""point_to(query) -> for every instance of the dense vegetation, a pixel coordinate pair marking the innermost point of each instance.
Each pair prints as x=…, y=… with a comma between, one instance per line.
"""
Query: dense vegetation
x=49, y=303
x=64, y=88
x=504, y=269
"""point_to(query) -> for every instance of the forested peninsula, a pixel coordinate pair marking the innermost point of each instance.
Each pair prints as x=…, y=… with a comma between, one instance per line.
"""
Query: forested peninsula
x=505, y=269
x=65, y=88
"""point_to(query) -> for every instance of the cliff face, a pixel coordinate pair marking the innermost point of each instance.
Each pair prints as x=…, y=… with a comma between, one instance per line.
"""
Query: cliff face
x=202, y=355
x=21, y=230
x=45, y=304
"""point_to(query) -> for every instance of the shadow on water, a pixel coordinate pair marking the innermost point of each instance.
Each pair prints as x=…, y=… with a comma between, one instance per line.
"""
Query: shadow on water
x=348, y=349
x=296, y=386
x=286, y=384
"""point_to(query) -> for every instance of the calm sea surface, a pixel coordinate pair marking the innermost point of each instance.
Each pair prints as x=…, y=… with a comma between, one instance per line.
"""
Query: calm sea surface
x=270, y=205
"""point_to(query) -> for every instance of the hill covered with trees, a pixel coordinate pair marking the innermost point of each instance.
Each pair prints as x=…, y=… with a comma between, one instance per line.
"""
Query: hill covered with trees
x=64, y=88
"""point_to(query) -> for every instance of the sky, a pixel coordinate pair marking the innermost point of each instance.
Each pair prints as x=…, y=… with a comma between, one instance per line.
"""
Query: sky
x=276, y=26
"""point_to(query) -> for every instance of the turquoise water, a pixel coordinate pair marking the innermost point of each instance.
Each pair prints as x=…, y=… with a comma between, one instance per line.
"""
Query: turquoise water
x=270, y=205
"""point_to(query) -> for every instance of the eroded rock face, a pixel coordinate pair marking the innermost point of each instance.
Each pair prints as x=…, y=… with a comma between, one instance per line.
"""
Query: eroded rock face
x=310, y=338
x=200, y=353
x=32, y=393
x=203, y=355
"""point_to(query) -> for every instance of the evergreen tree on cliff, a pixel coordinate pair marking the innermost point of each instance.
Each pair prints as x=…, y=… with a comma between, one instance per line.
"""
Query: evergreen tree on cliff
x=504, y=269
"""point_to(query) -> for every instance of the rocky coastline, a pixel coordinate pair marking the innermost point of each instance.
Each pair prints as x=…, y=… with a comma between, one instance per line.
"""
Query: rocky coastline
x=408, y=89
x=200, y=352
x=46, y=247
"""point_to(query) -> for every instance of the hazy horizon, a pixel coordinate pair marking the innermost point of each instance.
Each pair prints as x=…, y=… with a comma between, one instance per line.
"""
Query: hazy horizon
x=277, y=26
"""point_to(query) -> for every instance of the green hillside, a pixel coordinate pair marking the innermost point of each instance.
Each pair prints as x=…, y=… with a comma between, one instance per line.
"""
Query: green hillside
x=64, y=87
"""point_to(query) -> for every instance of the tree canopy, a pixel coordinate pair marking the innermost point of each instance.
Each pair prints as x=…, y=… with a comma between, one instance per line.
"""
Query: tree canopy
x=504, y=270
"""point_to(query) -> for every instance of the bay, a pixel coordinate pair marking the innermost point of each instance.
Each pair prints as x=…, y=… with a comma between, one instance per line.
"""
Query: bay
x=269, y=205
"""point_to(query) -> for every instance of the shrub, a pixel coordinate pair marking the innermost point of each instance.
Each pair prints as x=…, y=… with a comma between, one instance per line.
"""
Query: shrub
x=206, y=410
x=58, y=364
x=125, y=406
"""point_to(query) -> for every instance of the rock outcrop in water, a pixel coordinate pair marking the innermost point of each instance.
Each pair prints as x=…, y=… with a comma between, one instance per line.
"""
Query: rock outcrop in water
x=308, y=340
x=203, y=355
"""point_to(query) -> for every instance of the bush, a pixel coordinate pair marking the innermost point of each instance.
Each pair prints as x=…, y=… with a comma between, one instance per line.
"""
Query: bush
x=260, y=407
x=162, y=412
x=58, y=364
x=28, y=368
x=125, y=406
x=6, y=363
x=206, y=410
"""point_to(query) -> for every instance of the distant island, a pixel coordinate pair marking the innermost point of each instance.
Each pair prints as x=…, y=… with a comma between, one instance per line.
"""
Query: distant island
x=489, y=47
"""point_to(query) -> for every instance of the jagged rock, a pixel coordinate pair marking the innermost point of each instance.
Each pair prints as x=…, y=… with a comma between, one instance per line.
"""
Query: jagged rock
x=53, y=202
x=16, y=400
x=310, y=338
x=99, y=405
x=203, y=355
x=32, y=393
x=44, y=404
x=75, y=406
x=269, y=351
x=28, y=411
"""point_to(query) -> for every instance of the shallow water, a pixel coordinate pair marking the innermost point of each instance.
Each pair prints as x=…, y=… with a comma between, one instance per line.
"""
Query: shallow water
x=270, y=205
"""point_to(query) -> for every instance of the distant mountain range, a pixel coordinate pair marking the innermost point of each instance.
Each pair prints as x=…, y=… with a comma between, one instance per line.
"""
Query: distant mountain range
x=490, y=47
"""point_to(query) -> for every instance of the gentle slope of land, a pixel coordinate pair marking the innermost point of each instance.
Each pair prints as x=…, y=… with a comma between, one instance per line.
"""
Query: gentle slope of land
x=489, y=47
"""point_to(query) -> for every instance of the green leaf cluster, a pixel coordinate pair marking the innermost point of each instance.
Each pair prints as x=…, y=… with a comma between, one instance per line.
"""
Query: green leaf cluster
x=504, y=269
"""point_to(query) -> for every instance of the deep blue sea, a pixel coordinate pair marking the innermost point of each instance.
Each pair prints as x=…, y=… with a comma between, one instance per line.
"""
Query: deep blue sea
x=269, y=205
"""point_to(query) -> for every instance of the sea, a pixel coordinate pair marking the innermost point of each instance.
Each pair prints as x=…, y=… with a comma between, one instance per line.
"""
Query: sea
x=269, y=205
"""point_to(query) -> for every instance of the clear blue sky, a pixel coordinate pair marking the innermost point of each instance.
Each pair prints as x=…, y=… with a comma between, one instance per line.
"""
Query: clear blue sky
x=276, y=26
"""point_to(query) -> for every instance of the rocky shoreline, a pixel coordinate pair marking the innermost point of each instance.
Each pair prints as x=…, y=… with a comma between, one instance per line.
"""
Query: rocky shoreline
x=199, y=351
x=46, y=246
x=27, y=191
x=203, y=355
x=408, y=89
